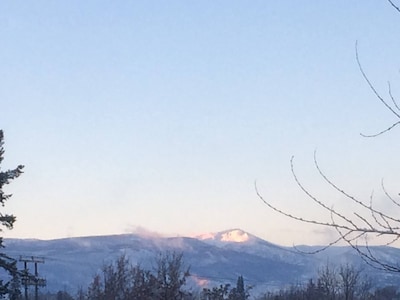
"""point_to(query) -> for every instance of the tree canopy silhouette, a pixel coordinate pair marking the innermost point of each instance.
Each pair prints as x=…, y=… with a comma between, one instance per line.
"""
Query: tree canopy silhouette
x=7, y=221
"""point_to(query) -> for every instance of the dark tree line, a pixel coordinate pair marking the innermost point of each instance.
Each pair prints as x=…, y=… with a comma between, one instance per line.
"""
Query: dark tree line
x=120, y=280
x=344, y=282
x=225, y=292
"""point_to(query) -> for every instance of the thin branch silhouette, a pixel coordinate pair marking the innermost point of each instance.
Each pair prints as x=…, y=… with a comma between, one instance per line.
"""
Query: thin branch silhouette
x=366, y=221
x=394, y=6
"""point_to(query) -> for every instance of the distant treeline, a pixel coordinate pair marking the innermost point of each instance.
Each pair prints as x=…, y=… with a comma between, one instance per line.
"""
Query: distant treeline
x=122, y=280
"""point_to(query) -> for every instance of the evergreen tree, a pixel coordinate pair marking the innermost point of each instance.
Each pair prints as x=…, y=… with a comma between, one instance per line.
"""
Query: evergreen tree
x=95, y=290
x=239, y=292
x=15, y=288
x=8, y=264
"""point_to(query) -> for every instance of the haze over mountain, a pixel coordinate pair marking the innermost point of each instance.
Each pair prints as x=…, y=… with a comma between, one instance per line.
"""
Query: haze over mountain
x=214, y=258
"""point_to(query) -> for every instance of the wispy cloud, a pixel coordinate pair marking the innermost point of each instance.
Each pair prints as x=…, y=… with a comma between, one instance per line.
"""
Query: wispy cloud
x=143, y=232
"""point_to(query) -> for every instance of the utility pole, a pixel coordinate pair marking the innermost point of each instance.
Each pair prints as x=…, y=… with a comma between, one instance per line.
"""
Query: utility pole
x=29, y=279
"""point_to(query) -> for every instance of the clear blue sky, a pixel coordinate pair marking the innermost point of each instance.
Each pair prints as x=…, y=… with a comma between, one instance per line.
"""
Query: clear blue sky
x=162, y=114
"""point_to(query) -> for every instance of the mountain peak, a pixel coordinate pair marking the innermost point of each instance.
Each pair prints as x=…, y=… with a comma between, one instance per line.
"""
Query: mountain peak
x=235, y=235
x=229, y=236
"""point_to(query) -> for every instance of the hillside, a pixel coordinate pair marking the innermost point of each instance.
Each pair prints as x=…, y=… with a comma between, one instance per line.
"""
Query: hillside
x=213, y=258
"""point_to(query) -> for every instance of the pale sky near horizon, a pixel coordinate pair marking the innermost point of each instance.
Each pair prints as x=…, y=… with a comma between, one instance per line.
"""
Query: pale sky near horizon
x=162, y=114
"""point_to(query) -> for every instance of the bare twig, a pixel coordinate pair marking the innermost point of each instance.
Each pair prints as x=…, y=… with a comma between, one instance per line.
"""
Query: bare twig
x=333, y=243
x=341, y=191
x=391, y=97
x=381, y=99
x=294, y=217
x=388, y=195
x=394, y=6
x=358, y=227
x=315, y=199
x=381, y=132
x=372, y=86
x=349, y=231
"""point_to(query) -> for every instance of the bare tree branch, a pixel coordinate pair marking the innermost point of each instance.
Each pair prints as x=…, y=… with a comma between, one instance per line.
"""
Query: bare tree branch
x=381, y=132
x=388, y=195
x=341, y=191
x=381, y=99
x=333, y=243
x=391, y=97
x=366, y=221
x=394, y=6
x=294, y=216
x=372, y=86
x=349, y=230
x=315, y=199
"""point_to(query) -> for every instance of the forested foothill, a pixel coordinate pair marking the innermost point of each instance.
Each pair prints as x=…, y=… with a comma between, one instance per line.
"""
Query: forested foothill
x=169, y=280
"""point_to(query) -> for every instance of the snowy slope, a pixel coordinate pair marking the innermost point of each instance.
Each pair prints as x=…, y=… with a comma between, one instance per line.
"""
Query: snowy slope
x=213, y=258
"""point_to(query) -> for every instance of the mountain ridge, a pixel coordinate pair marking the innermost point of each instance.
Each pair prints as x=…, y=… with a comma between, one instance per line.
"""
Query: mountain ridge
x=218, y=258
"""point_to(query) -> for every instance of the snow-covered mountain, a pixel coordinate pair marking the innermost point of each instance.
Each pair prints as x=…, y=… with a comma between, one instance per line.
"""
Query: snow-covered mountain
x=214, y=258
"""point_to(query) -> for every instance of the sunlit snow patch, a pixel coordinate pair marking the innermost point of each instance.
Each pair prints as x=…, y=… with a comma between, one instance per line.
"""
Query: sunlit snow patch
x=234, y=235
x=237, y=236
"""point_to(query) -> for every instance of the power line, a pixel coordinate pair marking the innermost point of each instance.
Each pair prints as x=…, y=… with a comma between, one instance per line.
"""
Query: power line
x=29, y=279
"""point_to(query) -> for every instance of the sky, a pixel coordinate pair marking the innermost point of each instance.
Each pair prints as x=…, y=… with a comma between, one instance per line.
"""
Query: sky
x=159, y=116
